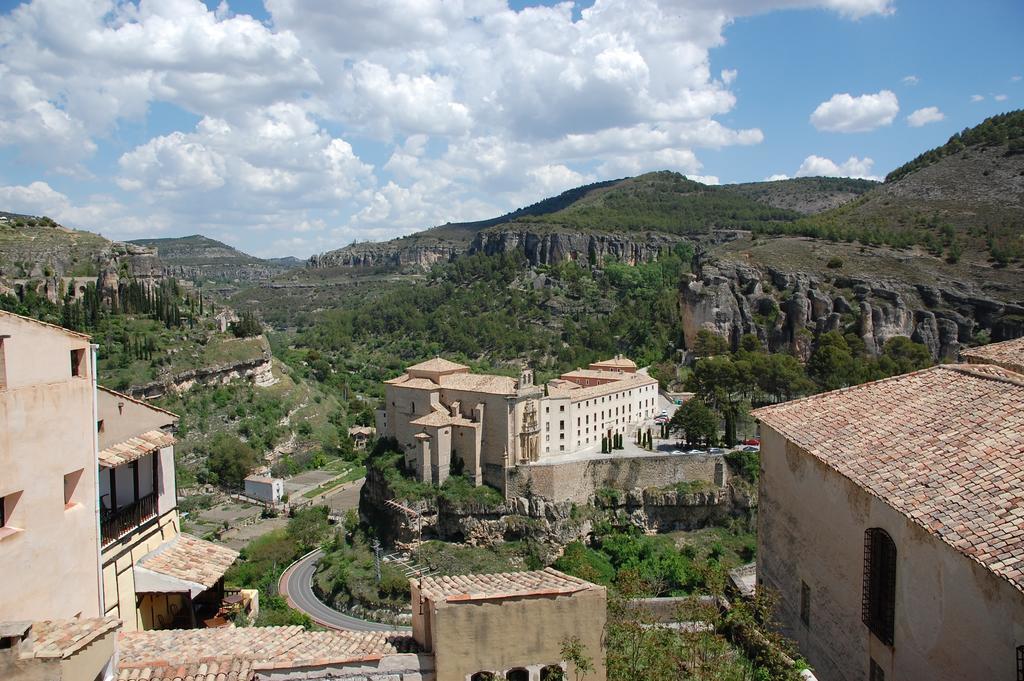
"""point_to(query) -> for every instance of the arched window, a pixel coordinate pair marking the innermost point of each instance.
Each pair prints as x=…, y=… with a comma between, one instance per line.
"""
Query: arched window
x=484, y=676
x=518, y=674
x=879, y=598
x=552, y=672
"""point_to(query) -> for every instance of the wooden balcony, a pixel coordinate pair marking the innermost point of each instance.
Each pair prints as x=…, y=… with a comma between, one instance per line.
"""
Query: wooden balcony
x=116, y=524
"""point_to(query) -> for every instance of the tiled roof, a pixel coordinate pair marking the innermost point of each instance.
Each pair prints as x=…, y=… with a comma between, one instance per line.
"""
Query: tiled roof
x=577, y=394
x=545, y=582
x=480, y=383
x=602, y=374
x=135, y=448
x=64, y=638
x=616, y=362
x=943, y=446
x=205, y=654
x=438, y=364
x=407, y=381
x=190, y=559
x=1008, y=354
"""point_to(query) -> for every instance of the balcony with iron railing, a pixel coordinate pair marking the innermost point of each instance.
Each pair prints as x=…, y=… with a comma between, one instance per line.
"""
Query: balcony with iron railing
x=115, y=524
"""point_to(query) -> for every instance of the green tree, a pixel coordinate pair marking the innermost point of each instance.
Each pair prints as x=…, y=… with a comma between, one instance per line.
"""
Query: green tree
x=696, y=422
x=901, y=355
x=309, y=527
x=832, y=364
x=708, y=344
x=230, y=460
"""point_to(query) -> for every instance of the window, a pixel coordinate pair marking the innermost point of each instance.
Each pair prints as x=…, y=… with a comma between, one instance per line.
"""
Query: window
x=1020, y=663
x=70, y=487
x=7, y=504
x=78, y=362
x=561, y=425
x=805, y=603
x=875, y=672
x=879, y=596
x=561, y=407
x=99, y=426
x=519, y=674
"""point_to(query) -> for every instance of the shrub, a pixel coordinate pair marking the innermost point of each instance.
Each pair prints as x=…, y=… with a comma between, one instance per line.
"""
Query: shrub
x=834, y=263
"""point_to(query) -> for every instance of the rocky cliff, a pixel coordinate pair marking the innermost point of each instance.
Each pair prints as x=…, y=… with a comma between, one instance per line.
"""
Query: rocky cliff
x=787, y=310
x=551, y=247
x=257, y=369
x=412, y=253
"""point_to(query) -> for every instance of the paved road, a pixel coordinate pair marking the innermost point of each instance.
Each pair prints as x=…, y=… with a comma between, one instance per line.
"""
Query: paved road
x=295, y=582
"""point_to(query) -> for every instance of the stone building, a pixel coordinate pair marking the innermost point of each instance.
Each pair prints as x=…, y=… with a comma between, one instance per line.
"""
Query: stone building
x=49, y=527
x=463, y=627
x=443, y=416
x=891, y=524
x=88, y=497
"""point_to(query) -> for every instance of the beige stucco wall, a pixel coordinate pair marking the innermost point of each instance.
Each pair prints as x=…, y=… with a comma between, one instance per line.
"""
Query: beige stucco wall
x=85, y=665
x=954, y=618
x=50, y=568
x=471, y=636
x=119, y=559
x=124, y=418
x=578, y=480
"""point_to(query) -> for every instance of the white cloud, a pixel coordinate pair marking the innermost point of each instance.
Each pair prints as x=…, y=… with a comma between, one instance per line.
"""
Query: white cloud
x=478, y=108
x=999, y=98
x=776, y=177
x=845, y=113
x=853, y=167
x=1014, y=79
x=977, y=98
x=924, y=116
x=911, y=80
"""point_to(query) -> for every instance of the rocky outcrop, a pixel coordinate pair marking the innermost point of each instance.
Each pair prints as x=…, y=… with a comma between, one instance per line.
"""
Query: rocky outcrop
x=258, y=370
x=411, y=254
x=554, y=247
x=787, y=310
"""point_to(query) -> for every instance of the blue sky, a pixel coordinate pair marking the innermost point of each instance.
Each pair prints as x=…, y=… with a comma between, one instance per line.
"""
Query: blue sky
x=289, y=127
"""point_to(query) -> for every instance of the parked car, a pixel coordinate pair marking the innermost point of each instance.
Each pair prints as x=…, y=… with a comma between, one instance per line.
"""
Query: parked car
x=751, y=448
x=695, y=451
x=752, y=441
x=716, y=450
x=660, y=419
x=678, y=451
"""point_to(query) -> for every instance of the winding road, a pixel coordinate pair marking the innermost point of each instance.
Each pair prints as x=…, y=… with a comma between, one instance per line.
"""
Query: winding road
x=295, y=586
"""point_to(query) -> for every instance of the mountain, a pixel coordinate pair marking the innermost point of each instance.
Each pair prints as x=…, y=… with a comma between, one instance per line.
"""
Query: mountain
x=631, y=218
x=40, y=254
x=200, y=258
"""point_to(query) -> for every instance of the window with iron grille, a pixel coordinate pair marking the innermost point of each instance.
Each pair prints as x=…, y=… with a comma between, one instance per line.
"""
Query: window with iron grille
x=879, y=597
x=875, y=672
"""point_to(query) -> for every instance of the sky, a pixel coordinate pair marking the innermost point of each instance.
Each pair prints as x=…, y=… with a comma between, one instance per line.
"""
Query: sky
x=292, y=127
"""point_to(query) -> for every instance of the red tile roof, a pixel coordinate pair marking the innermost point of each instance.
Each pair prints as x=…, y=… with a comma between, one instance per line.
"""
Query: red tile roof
x=547, y=582
x=64, y=638
x=135, y=448
x=943, y=446
x=1008, y=354
x=190, y=559
x=216, y=654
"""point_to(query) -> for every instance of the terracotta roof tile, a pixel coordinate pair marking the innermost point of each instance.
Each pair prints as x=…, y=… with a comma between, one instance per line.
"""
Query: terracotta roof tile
x=480, y=383
x=943, y=446
x=204, y=654
x=190, y=559
x=615, y=363
x=64, y=638
x=135, y=448
x=502, y=585
x=1008, y=354
x=438, y=364
x=577, y=394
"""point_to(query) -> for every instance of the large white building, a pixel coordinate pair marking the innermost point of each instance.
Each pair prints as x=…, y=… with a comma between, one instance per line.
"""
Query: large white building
x=443, y=416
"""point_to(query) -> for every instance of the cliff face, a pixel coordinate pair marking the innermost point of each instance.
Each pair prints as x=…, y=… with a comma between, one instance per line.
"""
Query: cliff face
x=551, y=248
x=786, y=310
x=400, y=253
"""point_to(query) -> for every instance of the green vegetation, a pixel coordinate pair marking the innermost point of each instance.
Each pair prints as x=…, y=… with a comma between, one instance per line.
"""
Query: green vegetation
x=264, y=560
x=1007, y=128
x=457, y=490
x=696, y=422
x=663, y=201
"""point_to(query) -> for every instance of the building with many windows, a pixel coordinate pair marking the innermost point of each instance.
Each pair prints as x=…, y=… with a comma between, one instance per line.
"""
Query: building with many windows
x=891, y=523
x=444, y=416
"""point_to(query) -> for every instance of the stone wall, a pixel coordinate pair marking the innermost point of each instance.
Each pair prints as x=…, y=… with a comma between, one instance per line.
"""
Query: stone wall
x=578, y=481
